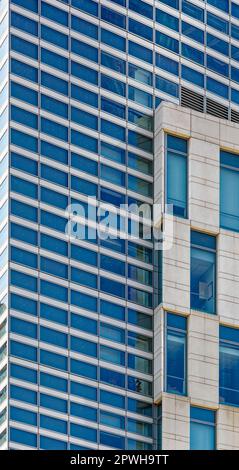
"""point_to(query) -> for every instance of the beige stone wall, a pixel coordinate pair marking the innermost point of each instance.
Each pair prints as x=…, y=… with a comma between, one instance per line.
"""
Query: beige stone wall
x=207, y=135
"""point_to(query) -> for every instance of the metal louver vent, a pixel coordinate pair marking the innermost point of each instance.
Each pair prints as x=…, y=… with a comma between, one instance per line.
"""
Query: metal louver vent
x=234, y=116
x=192, y=100
x=216, y=109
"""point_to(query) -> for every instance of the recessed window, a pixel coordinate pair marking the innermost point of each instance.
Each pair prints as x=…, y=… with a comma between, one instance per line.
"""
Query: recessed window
x=229, y=364
x=203, y=272
x=202, y=429
x=229, y=191
x=176, y=354
x=176, y=175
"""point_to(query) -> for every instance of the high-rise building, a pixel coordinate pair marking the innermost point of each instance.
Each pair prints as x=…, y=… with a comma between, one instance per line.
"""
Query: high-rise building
x=110, y=341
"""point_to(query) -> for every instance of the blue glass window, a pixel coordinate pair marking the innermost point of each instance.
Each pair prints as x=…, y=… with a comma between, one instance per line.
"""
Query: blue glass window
x=53, y=382
x=112, y=287
x=192, y=76
x=140, y=52
x=193, y=54
x=53, y=360
x=112, y=62
x=112, y=107
x=54, y=60
x=176, y=182
x=140, y=29
x=202, y=429
x=54, y=267
x=192, y=10
x=218, y=23
x=24, y=328
x=23, y=93
x=112, y=355
x=165, y=19
x=166, y=86
x=141, y=7
x=24, y=23
x=24, y=281
x=23, y=437
x=53, y=403
x=218, y=44
x=53, y=314
x=23, y=350
x=83, y=118
x=235, y=9
x=24, y=187
x=20, y=45
x=24, y=117
x=223, y=5
x=55, y=37
x=217, y=65
x=84, y=96
x=235, y=95
x=33, y=5
x=82, y=277
x=79, y=322
x=113, y=40
x=84, y=27
x=52, y=174
x=140, y=96
x=23, y=304
x=229, y=363
x=77, y=430
x=53, y=128
x=112, y=310
x=84, y=50
x=83, y=369
x=84, y=412
x=112, y=17
x=88, y=6
x=111, y=84
x=23, y=257
x=84, y=301
x=57, y=338
x=165, y=63
x=49, y=443
x=49, y=289
x=23, y=373
x=23, y=394
x=217, y=87
x=112, y=378
x=83, y=390
x=235, y=31
x=24, y=70
x=193, y=32
x=54, y=83
x=229, y=191
x=54, y=424
x=139, y=74
x=54, y=153
x=23, y=416
x=112, y=399
x=167, y=42
x=113, y=130
x=54, y=106
x=176, y=354
x=203, y=272
x=83, y=346
x=54, y=14
x=235, y=52
x=171, y=3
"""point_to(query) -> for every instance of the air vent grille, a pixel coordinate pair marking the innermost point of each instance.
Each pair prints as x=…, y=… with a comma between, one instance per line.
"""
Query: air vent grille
x=216, y=109
x=192, y=100
x=234, y=116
